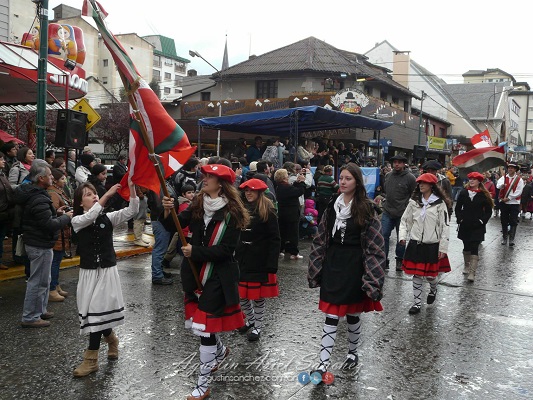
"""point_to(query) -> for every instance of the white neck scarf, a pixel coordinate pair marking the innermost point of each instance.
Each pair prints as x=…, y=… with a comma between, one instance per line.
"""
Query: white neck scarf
x=212, y=205
x=432, y=198
x=342, y=213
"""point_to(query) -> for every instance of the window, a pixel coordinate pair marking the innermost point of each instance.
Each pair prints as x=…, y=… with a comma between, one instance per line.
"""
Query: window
x=104, y=80
x=168, y=76
x=177, y=91
x=206, y=96
x=368, y=90
x=105, y=62
x=180, y=67
x=267, y=89
x=157, y=75
x=167, y=90
x=157, y=61
x=383, y=95
x=395, y=100
x=442, y=132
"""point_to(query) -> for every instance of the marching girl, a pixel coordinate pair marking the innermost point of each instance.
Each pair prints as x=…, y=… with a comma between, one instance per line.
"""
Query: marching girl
x=473, y=210
x=215, y=218
x=426, y=221
x=99, y=295
x=347, y=260
x=257, y=254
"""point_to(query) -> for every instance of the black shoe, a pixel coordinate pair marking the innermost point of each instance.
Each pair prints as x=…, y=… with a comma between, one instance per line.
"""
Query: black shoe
x=386, y=264
x=350, y=364
x=253, y=335
x=245, y=328
x=165, y=263
x=162, y=281
x=414, y=310
x=431, y=297
x=167, y=275
x=399, y=262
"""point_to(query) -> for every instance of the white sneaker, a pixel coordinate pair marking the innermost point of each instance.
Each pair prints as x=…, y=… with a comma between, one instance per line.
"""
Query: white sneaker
x=141, y=243
x=296, y=257
x=281, y=255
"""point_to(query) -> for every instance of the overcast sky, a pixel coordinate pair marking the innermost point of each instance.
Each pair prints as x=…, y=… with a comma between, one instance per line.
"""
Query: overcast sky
x=446, y=37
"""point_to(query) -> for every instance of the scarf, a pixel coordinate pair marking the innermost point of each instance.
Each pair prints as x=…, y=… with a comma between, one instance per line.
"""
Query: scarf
x=473, y=192
x=432, y=198
x=342, y=213
x=212, y=205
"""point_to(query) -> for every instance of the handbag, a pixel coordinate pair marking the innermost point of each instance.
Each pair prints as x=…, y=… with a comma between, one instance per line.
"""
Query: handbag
x=20, y=250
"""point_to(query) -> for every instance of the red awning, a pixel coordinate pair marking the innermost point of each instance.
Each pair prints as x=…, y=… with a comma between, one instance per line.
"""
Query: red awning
x=6, y=137
x=18, y=77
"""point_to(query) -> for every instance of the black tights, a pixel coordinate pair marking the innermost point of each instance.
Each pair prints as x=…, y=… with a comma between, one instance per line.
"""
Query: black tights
x=472, y=247
x=95, y=337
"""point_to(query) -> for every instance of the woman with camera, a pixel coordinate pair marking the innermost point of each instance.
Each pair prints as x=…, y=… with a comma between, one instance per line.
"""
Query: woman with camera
x=59, y=199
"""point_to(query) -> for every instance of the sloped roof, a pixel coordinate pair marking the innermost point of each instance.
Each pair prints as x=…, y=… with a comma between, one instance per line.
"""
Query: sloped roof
x=476, y=98
x=311, y=55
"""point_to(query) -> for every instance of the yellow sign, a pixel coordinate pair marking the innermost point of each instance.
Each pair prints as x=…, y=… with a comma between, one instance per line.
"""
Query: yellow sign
x=436, y=143
x=92, y=116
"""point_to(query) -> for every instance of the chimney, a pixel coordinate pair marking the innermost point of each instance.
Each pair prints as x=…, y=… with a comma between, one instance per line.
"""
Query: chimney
x=401, y=65
x=192, y=72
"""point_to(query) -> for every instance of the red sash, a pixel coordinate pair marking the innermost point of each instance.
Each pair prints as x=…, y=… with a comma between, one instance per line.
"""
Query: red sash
x=509, y=187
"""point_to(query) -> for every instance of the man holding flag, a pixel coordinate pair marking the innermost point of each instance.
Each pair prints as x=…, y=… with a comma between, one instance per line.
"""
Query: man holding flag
x=511, y=186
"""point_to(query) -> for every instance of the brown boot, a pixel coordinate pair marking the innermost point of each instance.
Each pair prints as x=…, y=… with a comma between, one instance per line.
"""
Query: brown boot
x=112, y=346
x=88, y=365
x=61, y=291
x=54, y=296
x=473, y=267
x=466, y=256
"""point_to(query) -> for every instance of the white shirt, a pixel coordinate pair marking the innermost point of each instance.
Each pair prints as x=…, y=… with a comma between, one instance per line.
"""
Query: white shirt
x=514, y=194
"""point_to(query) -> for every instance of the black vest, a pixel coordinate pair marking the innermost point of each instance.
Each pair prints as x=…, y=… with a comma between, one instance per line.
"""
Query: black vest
x=95, y=244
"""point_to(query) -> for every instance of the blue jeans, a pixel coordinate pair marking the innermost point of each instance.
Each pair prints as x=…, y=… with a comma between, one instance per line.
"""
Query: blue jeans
x=455, y=192
x=38, y=286
x=388, y=224
x=162, y=238
x=56, y=262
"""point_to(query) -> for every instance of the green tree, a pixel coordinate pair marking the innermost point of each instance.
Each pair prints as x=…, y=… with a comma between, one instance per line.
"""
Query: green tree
x=114, y=127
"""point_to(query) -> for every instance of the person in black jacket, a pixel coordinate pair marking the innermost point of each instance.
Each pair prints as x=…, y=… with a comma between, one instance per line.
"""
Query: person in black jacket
x=289, y=211
x=473, y=210
x=257, y=254
x=119, y=169
x=97, y=178
x=6, y=206
x=40, y=229
x=99, y=295
x=215, y=218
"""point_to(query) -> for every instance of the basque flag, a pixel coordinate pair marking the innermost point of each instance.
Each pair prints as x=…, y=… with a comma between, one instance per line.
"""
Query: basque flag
x=479, y=160
x=169, y=141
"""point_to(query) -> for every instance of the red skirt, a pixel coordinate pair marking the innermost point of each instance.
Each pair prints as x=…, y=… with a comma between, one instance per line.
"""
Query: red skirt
x=259, y=290
x=340, y=310
x=426, y=269
x=231, y=318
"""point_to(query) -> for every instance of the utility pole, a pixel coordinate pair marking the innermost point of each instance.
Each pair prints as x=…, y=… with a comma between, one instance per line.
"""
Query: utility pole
x=420, y=119
x=42, y=7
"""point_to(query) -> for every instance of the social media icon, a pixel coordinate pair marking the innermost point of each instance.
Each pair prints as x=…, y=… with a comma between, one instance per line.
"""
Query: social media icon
x=303, y=378
x=316, y=378
x=328, y=378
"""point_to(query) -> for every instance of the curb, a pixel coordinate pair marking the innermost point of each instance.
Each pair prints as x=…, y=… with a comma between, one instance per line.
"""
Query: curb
x=17, y=272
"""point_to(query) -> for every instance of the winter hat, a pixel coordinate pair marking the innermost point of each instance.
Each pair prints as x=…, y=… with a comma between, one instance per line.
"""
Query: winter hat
x=476, y=175
x=86, y=159
x=220, y=171
x=97, y=169
x=427, y=178
x=253, y=166
x=254, y=184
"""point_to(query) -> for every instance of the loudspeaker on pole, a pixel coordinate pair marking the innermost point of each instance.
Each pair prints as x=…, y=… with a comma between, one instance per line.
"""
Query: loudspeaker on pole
x=70, y=129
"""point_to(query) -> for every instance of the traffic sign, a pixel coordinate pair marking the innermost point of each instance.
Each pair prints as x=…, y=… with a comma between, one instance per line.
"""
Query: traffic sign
x=385, y=142
x=92, y=116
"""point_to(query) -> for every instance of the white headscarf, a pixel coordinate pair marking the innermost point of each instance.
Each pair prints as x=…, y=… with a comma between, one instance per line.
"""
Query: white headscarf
x=432, y=198
x=212, y=205
x=342, y=213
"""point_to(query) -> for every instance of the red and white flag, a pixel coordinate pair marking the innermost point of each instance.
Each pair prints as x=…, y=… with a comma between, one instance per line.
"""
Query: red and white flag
x=169, y=141
x=481, y=140
x=479, y=160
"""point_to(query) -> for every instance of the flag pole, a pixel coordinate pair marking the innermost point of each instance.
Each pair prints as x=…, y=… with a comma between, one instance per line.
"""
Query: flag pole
x=153, y=158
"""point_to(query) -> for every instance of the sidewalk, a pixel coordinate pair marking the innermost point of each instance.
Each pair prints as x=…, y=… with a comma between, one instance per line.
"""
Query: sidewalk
x=122, y=241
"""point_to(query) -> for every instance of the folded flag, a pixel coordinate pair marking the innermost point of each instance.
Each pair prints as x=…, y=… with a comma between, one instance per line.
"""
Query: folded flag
x=169, y=141
x=479, y=160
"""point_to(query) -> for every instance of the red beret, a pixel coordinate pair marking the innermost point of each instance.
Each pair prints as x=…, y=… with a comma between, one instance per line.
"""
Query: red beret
x=220, y=171
x=427, y=178
x=476, y=175
x=254, y=184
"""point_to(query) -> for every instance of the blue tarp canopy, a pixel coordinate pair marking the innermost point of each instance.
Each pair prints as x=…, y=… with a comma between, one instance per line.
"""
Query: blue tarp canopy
x=292, y=120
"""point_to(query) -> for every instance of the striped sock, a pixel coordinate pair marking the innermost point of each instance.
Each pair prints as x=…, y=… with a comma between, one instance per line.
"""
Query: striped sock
x=259, y=312
x=417, y=290
x=354, y=332
x=247, y=308
x=329, y=333
x=207, y=362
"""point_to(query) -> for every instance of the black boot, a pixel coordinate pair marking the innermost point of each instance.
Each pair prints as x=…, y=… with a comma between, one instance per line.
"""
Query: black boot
x=512, y=233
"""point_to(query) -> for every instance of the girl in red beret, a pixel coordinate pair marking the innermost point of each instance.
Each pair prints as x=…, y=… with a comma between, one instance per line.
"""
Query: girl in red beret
x=473, y=210
x=427, y=223
x=215, y=217
x=258, y=254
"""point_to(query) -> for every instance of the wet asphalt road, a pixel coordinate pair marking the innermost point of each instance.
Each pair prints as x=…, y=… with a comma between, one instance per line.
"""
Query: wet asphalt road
x=475, y=342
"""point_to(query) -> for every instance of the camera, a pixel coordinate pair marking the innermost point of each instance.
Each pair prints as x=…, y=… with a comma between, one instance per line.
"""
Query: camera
x=235, y=165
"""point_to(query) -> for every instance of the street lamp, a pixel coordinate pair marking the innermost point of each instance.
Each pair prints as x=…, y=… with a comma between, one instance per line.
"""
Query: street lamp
x=194, y=53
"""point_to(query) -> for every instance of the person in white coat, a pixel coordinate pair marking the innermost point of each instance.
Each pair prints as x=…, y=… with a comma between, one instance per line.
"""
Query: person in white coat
x=511, y=186
x=426, y=224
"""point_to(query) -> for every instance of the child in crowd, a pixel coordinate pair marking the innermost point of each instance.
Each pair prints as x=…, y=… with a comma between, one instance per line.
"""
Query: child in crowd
x=309, y=222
